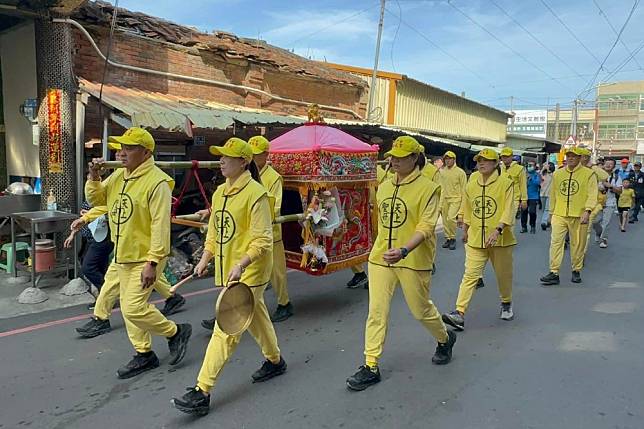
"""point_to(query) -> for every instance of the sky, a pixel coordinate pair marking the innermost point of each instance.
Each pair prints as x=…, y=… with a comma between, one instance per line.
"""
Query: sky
x=528, y=54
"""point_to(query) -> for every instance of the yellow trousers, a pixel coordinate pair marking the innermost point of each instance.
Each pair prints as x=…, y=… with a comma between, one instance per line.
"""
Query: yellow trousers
x=475, y=260
x=357, y=269
x=110, y=290
x=593, y=215
x=142, y=319
x=382, y=285
x=222, y=346
x=578, y=234
x=278, y=275
x=449, y=211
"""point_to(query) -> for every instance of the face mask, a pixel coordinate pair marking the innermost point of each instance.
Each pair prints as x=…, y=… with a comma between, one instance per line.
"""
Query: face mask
x=530, y=169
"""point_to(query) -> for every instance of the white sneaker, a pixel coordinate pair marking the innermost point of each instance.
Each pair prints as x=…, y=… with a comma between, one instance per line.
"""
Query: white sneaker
x=604, y=243
x=506, y=311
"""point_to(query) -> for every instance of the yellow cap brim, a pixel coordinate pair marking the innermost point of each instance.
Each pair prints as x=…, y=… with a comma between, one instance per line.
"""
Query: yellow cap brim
x=114, y=146
x=123, y=140
x=224, y=151
x=478, y=157
x=397, y=153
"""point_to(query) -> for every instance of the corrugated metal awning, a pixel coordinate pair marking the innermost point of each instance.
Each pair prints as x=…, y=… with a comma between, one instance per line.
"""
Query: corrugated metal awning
x=168, y=112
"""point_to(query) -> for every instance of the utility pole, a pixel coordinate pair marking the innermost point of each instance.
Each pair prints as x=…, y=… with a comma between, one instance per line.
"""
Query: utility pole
x=374, y=75
x=512, y=103
x=573, y=125
x=557, y=112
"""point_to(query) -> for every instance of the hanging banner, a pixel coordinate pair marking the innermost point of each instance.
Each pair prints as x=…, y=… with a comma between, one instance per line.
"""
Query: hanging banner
x=55, y=131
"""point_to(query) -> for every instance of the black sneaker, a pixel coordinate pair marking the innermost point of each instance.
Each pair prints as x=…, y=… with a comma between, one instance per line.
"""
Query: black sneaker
x=140, y=363
x=533, y=230
x=452, y=244
x=544, y=226
x=631, y=221
x=194, y=402
x=269, y=370
x=443, y=353
x=209, y=324
x=364, y=378
x=94, y=328
x=282, y=312
x=455, y=320
x=433, y=269
x=173, y=304
x=480, y=283
x=359, y=279
x=524, y=230
x=178, y=344
x=550, y=279
x=576, y=277
x=447, y=243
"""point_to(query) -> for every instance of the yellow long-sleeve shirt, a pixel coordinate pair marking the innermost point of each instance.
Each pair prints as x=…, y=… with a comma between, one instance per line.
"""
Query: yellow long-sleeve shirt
x=139, y=211
x=452, y=181
x=519, y=177
x=273, y=183
x=240, y=225
x=431, y=172
x=572, y=192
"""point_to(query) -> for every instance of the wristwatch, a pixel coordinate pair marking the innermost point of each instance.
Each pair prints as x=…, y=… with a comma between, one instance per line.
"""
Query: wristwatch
x=241, y=267
x=499, y=229
x=404, y=252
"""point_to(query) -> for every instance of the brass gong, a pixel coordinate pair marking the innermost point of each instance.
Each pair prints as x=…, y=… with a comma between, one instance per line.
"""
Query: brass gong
x=235, y=308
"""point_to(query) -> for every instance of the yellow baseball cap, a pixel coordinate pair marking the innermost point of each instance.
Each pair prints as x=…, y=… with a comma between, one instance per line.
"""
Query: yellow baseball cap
x=574, y=150
x=134, y=136
x=449, y=154
x=507, y=151
x=234, y=148
x=259, y=144
x=404, y=146
x=584, y=151
x=490, y=154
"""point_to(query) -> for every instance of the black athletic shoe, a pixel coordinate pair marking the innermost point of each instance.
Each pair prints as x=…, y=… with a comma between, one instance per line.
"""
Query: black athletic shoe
x=433, y=269
x=544, y=226
x=209, y=323
x=443, y=353
x=140, y=363
x=94, y=328
x=282, y=312
x=533, y=230
x=269, y=370
x=359, y=279
x=178, y=344
x=524, y=230
x=364, y=378
x=455, y=320
x=480, y=283
x=447, y=243
x=452, y=244
x=173, y=304
x=194, y=402
x=631, y=221
x=576, y=277
x=550, y=279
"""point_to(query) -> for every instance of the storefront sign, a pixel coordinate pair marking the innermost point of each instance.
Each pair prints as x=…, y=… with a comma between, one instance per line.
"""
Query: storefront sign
x=55, y=131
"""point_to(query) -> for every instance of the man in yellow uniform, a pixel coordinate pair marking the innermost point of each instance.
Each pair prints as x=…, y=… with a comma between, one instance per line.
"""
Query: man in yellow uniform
x=99, y=323
x=573, y=197
x=452, y=180
x=488, y=216
x=408, y=206
x=518, y=175
x=601, y=177
x=138, y=199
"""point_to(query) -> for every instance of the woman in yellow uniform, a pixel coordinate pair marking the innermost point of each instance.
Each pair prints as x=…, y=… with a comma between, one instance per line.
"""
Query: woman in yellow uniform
x=488, y=216
x=452, y=181
x=518, y=175
x=240, y=242
x=402, y=254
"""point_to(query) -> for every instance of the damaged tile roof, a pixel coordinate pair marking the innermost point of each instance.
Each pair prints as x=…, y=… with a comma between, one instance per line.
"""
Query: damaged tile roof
x=226, y=44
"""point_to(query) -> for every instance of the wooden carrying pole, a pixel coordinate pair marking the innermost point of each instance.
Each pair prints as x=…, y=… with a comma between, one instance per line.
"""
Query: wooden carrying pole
x=167, y=165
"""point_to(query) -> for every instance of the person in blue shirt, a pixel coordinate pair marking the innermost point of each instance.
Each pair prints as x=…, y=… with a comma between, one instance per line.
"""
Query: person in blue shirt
x=534, y=188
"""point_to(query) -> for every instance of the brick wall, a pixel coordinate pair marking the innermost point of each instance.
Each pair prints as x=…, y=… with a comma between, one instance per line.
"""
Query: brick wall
x=137, y=51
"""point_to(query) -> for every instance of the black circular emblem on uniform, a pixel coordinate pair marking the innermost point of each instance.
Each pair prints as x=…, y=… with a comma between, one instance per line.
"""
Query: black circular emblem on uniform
x=122, y=209
x=484, y=207
x=569, y=187
x=226, y=227
x=393, y=213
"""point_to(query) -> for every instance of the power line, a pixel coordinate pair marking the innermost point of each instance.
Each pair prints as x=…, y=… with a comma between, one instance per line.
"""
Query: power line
x=536, y=39
x=570, y=31
x=518, y=54
x=360, y=12
x=525, y=82
x=393, y=42
x=431, y=42
x=612, y=27
x=626, y=61
x=610, y=51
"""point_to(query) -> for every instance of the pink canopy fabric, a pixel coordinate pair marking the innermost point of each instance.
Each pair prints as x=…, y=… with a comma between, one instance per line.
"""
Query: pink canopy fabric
x=318, y=137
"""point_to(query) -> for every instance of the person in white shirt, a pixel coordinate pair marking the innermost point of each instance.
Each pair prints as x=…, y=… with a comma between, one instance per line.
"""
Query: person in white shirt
x=611, y=188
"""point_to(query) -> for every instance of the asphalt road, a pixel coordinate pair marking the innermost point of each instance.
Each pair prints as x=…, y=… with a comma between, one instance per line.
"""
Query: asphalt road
x=572, y=358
